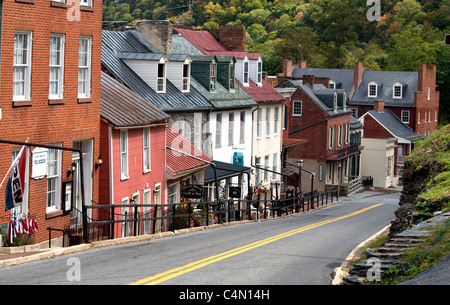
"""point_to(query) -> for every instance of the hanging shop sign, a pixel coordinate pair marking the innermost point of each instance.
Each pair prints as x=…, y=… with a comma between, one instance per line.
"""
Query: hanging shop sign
x=39, y=166
x=194, y=191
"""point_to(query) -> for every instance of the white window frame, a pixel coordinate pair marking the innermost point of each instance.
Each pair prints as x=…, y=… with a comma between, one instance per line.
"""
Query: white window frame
x=232, y=78
x=86, y=3
x=146, y=146
x=297, y=110
x=84, y=67
x=276, y=120
x=56, y=66
x=218, y=130
x=124, y=154
x=266, y=166
x=213, y=77
x=268, y=122
x=260, y=64
x=332, y=85
x=246, y=73
x=161, y=79
x=347, y=134
x=405, y=116
x=340, y=135
x=186, y=78
x=147, y=199
x=258, y=123
x=428, y=94
x=331, y=137
x=173, y=193
x=54, y=163
x=22, y=62
x=242, y=127
x=369, y=89
x=394, y=91
x=231, y=129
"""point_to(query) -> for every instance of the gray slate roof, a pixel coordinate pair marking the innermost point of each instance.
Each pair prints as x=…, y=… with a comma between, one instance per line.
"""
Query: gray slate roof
x=386, y=81
x=322, y=96
x=122, y=107
x=342, y=77
x=115, y=44
x=393, y=124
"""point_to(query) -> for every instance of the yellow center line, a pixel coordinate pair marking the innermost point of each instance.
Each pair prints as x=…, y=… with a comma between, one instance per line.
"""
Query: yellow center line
x=167, y=275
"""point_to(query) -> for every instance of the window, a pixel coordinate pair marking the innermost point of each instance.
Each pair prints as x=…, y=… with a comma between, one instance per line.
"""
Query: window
x=429, y=94
x=161, y=80
x=274, y=165
x=266, y=166
x=219, y=130
x=231, y=129
x=213, y=78
x=146, y=149
x=389, y=162
x=257, y=170
x=124, y=154
x=297, y=108
x=267, y=122
x=347, y=134
x=332, y=85
x=418, y=117
x=405, y=116
x=54, y=179
x=340, y=135
x=22, y=66
x=259, y=72
x=372, y=89
x=331, y=137
x=354, y=112
x=56, y=84
x=84, y=68
x=186, y=78
x=258, y=123
x=173, y=193
x=397, y=91
x=246, y=73
x=147, y=212
x=320, y=172
x=275, y=121
x=242, y=129
x=86, y=2
x=232, y=82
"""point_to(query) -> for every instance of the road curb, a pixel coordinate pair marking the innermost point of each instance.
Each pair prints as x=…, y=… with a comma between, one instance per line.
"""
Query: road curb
x=340, y=272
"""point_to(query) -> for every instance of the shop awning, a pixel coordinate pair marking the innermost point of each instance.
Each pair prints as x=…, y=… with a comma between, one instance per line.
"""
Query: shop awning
x=224, y=170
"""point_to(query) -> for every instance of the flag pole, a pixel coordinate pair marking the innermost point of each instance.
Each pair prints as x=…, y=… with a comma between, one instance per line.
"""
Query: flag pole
x=14, y=163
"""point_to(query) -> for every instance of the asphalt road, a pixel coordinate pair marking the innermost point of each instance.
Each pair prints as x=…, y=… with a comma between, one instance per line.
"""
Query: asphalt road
x=302, y=249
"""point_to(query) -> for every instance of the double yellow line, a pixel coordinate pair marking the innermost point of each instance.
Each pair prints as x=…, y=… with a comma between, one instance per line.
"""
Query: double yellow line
x=167, y=275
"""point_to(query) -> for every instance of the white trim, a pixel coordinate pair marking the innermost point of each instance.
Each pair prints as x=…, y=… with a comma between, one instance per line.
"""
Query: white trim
x=27, y=66
x=59, y=67
x=376, y=89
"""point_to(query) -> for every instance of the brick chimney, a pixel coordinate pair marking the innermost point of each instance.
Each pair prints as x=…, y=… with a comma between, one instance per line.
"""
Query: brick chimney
x=233, y=37
x=287, y=67
x=357, y=74
x=378, y=106
x=158, y=33
x=302, y=64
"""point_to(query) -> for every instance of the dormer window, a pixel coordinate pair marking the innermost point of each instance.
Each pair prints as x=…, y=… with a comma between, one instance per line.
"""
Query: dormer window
x=212, y=84
x=161, y=81
x=397, y=90
x=372, y=89
x=332, y=85
x=232, y=81
x=259, y=72
x=186, y=77
x=246, y=73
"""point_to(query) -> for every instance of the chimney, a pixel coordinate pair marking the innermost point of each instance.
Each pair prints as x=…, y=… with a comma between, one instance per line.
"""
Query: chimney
x=357, y=74
x=158, y=33
x=287, y=67
x=302, y=64
x=233, y=37
x=378, y=106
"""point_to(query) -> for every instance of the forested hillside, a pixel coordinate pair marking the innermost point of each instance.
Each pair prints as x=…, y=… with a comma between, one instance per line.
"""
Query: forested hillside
x=325, y=33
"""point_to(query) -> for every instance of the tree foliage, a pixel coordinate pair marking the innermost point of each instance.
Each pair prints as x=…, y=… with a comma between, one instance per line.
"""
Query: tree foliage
x=325, y=33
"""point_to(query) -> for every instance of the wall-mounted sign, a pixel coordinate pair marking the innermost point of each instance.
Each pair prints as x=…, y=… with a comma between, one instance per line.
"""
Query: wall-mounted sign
x=39, y=166
x=67, y=198
x=192, y=191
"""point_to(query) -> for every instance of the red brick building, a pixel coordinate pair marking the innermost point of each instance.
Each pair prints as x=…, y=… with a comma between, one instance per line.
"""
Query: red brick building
x=320, y=116
x=50, y=94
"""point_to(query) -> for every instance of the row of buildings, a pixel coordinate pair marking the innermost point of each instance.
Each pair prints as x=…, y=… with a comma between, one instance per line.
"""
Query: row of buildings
x=155, y=109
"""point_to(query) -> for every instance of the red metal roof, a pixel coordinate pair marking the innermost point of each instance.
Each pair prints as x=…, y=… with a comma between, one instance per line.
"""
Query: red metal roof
x=202, y=40
x=179, y=151
x=264, y=93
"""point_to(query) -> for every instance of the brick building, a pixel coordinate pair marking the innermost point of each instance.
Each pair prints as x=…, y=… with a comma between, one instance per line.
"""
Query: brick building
x=50, y=94
x=320, y=116
x=410, y=95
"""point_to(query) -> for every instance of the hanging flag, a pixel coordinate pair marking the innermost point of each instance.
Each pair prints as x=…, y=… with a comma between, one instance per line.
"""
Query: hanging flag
x=15, y=188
